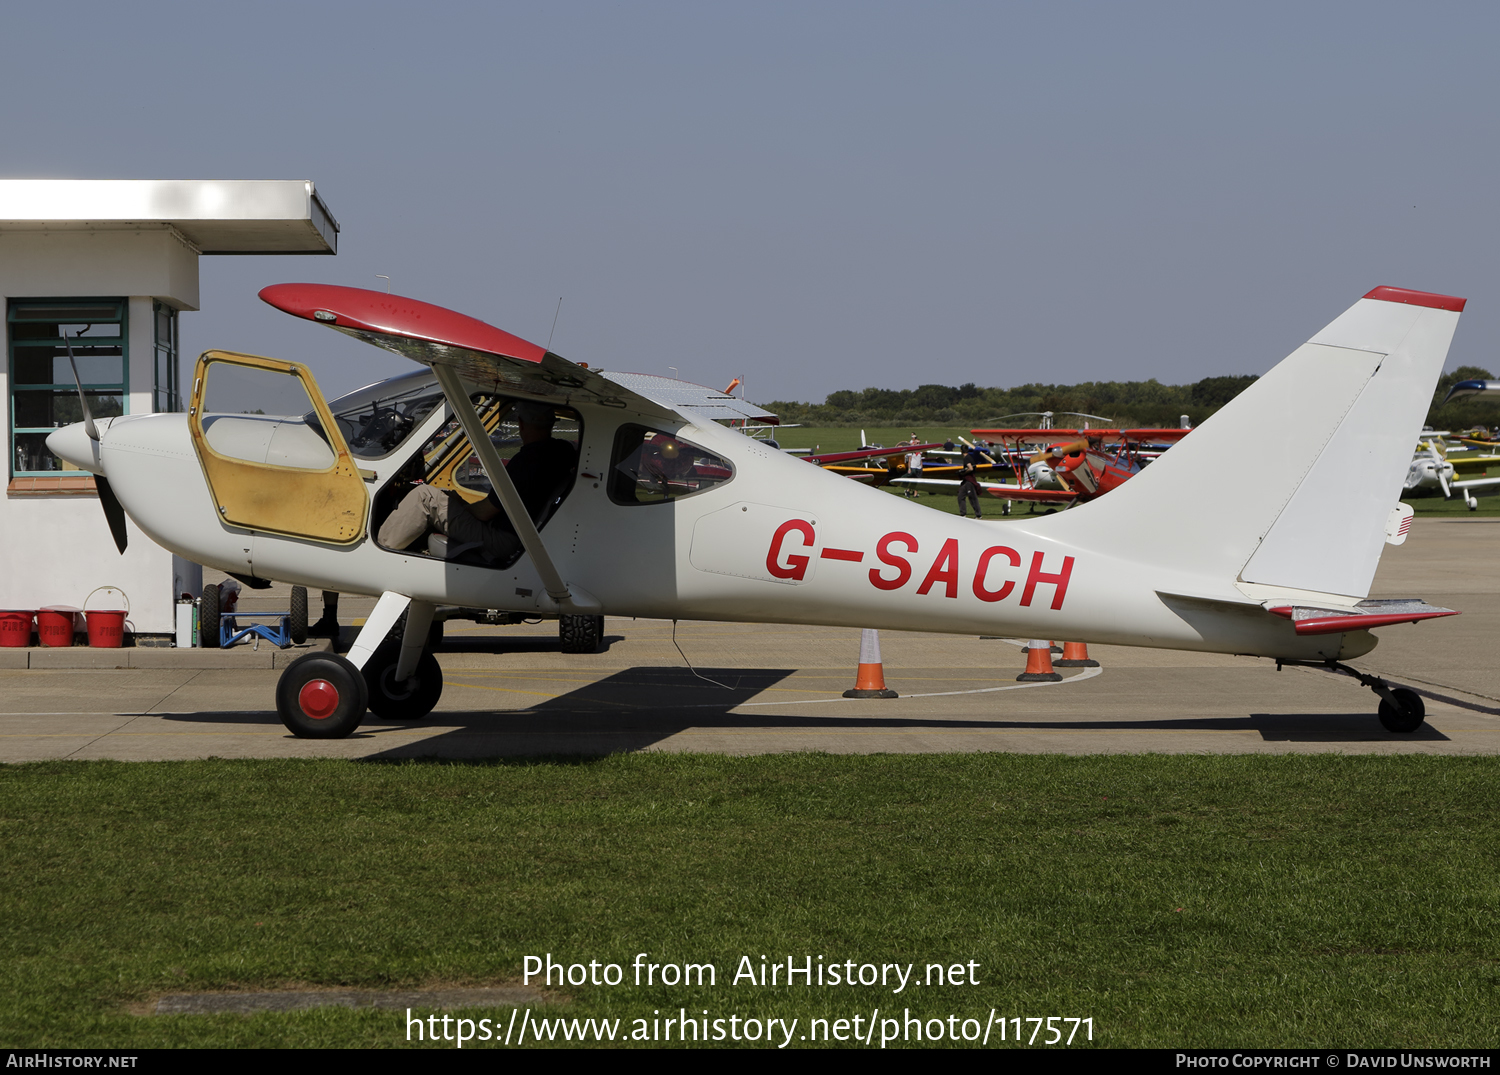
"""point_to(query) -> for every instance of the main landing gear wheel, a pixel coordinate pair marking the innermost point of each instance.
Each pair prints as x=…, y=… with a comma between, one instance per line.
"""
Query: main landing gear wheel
x=298, y=626
x=208, y=617
x=321, y=696
x=580, y=634
x=408, y=699
x=1408, y=717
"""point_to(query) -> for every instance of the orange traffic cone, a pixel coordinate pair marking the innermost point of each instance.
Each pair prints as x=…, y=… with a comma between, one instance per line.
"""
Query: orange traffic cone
x=1039, y=664
x=1076, y=655
x=870, y=682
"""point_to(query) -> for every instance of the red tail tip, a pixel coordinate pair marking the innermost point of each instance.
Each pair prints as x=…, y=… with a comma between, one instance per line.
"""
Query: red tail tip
x=1418, y=298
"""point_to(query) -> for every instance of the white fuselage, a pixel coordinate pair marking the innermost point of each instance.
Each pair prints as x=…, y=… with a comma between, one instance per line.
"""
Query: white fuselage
x=782, y=541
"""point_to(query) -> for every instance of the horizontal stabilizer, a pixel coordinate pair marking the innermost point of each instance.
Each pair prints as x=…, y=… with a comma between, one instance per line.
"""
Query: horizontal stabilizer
x=1363, y=616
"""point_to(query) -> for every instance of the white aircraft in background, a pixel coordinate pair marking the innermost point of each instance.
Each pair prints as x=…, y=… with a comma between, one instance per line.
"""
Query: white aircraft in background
x=1429, y=470
x=666, y=513
x=1433, y=470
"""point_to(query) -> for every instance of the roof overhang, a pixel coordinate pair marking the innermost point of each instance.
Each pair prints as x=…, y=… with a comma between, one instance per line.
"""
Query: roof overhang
x=231, y=216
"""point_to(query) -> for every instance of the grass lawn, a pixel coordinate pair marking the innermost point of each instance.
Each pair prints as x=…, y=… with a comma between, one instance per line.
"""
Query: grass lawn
x=1324, y=901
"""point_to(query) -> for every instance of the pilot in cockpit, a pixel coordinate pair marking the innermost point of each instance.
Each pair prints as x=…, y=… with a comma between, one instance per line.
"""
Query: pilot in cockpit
x=538, y=470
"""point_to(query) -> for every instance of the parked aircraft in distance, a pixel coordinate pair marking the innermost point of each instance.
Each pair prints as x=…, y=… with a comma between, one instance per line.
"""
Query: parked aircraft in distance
x=1465, y=389
x=1073, y=466
x=1438, y=468
x=659, y=511
x=873, y=466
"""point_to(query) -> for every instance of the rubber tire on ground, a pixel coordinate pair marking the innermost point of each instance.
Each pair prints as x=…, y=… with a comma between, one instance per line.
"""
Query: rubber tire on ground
x=298, y=617
x=1409, y=717
x=412, y=699
x=347, y=684
x=580, y=634
x=208, y=618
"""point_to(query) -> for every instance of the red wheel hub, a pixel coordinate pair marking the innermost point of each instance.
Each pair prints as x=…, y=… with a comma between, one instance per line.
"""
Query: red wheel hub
x=318, y=699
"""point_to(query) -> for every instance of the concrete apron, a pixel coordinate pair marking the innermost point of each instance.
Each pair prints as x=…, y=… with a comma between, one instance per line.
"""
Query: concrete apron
x=755, y=688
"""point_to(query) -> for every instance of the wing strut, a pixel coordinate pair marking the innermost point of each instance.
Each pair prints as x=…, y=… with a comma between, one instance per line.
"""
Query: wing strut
x=505, y=489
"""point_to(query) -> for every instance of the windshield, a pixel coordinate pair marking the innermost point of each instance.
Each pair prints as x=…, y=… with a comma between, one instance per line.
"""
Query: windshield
x=377, y=419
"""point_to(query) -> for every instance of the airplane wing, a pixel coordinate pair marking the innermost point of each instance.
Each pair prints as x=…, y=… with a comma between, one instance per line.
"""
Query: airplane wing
x=1473, y=463
x=692, y=400
x=824, y=458
x=1034, y=436
x=1004, y=492
x=1464, y=389
x=1096, y=436
x=479, y=353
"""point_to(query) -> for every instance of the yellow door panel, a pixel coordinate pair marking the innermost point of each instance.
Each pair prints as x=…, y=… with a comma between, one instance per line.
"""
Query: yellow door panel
x=327, y=504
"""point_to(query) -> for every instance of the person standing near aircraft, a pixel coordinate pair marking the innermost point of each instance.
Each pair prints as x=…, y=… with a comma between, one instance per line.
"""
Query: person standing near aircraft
x=968, y=485
x=542, y=464
x=328, y=625
x=913, y=465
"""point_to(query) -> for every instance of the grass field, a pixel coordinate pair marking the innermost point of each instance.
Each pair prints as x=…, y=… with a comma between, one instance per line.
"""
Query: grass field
x=1177, y=901
x=838, y=439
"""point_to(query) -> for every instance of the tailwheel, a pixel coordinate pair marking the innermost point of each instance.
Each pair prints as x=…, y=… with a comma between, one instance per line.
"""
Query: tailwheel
x=1406, y=714
x=408, y=699
x=1401, y=708
x=321, y=696
x=580, y=634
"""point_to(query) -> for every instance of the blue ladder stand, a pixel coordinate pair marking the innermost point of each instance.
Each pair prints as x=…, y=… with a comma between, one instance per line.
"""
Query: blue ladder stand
x=230, y=632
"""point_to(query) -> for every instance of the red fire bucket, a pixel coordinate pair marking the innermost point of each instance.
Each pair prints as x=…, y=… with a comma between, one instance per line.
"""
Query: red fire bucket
x=15, y=628
x=54, y=627
x=106, y=626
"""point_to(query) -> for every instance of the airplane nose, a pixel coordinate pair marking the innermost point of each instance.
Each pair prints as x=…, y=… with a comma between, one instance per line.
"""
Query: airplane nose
x=72, y=443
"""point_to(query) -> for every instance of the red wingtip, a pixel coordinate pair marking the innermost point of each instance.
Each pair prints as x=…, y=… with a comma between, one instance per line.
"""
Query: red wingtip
x=1418, y=298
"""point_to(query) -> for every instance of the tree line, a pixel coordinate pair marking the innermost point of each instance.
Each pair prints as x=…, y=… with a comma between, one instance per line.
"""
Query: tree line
x=1128, y=403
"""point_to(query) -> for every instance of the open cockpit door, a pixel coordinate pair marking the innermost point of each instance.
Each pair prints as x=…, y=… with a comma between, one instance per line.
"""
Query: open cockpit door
x=284, y=472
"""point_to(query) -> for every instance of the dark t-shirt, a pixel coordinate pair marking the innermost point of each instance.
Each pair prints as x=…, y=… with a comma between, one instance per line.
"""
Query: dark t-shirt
x=969, y=478
x=536, y=471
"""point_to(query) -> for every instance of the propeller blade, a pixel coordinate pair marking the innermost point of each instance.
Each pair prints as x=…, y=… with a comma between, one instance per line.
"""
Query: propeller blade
x=114, y=514
x=88, y=418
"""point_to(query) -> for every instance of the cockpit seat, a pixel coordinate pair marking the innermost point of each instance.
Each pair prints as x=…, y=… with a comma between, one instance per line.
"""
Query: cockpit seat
x=438, y=546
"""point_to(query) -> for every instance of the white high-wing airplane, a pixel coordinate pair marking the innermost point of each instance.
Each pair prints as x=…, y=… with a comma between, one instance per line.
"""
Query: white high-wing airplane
x=668, y=514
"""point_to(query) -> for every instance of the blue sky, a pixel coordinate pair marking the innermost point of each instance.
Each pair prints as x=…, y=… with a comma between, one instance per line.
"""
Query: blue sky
x=811, y=196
